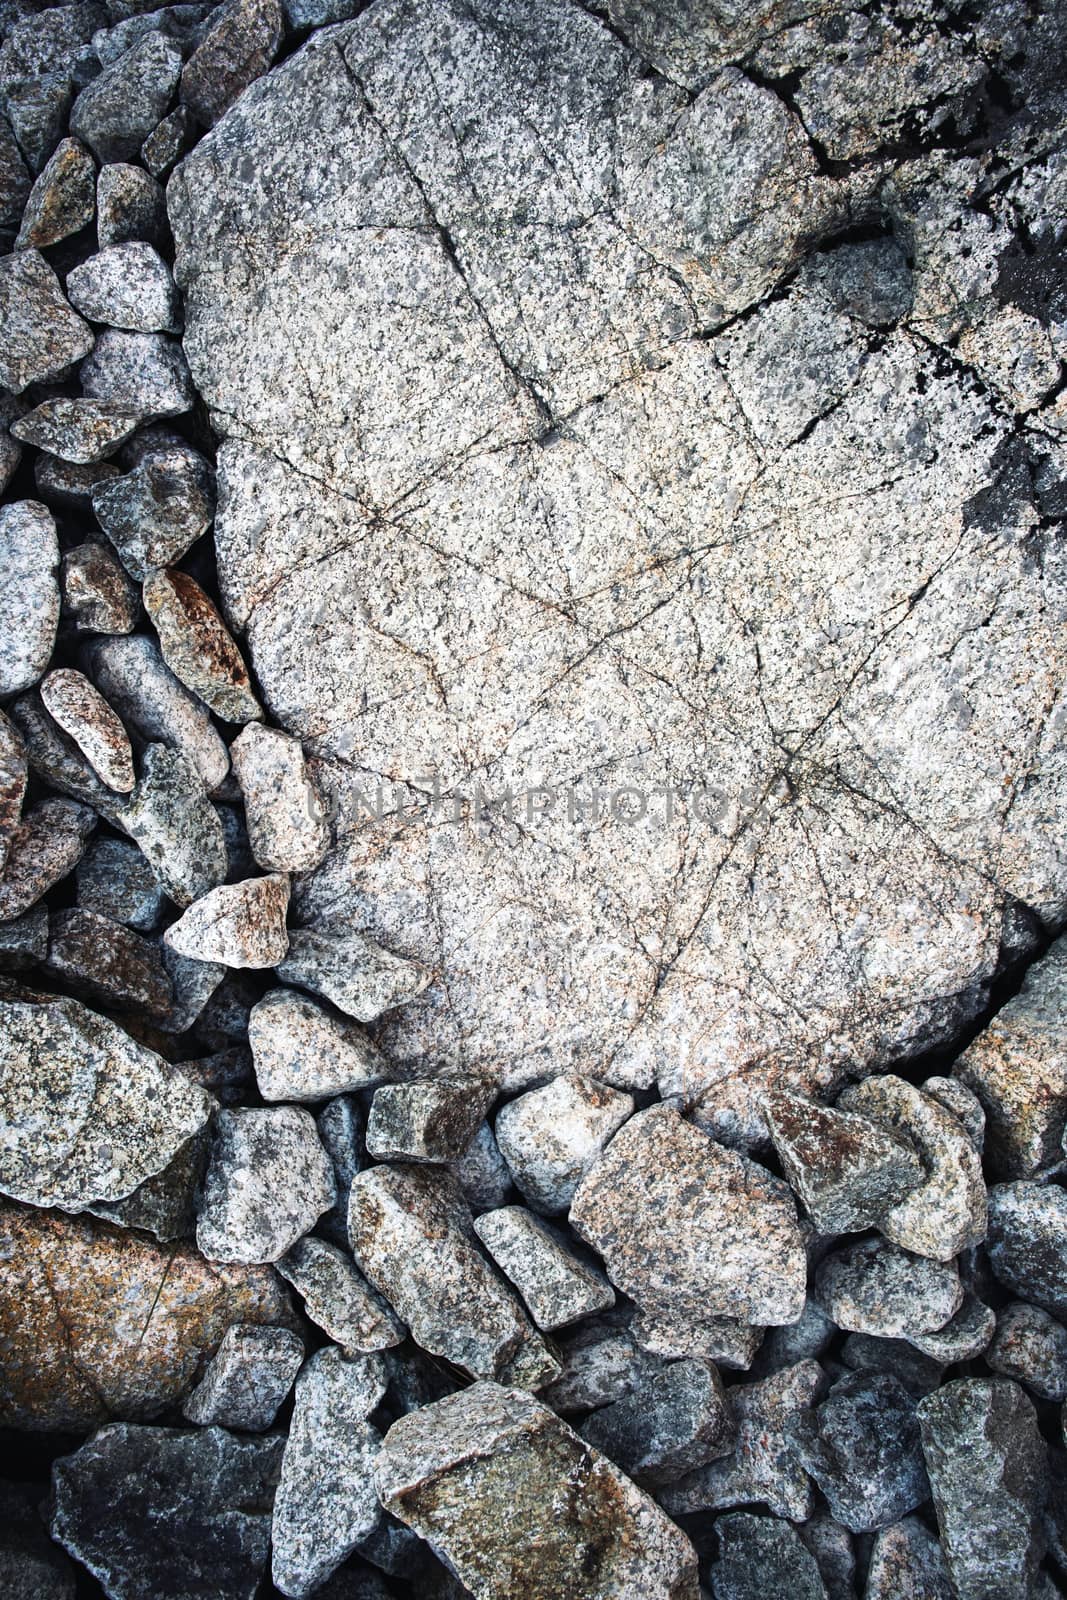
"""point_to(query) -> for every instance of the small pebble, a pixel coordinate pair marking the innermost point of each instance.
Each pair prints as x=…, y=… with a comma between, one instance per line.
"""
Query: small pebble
x=334, y=960
x=287, y=825
x=115, y=880
x=131, y=674
x=430, y=1119
x=338, y=1298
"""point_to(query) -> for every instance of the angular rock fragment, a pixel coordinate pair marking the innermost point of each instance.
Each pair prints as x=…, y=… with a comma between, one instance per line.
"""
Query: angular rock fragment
x=168, y=142
x=907, y=1564
x=13, y=777
x=835, y=1555
x=763, y=1559
x=115, y=880
x=40, y=335
x=158, y=510
x=412, y=1235
x=1030, y=1346
x=764, y=1465
x=602, y=1363
x=963, y=1337
x=267, y=1184
x=119, y=109
x=42, y=850
x=146, y=371
x=127, y=286
x=85, y=716
x=63, y=484
x=56, y=759
x=129, y=205
x=333, y=959
x=38, y=109
x=551, y=1136
x=97, y=595
x=247, y=1379
x=964, y=1104
x=24, y=941
x=81, y=431
x=304, y=1052
x=130, y=672
x=432, y=1119
x=29, y=597
x=805, y=1338
x=164, y=1205
x=238, y=47
x=688, y=1228
x=338, y=1299
x=947, y=1212
x=287, y=823
x=724, y=1340
x=90, y=1112
x=988, y=1474
x=177, y=828
x=62, y=200
x=31, y=1566
x=1018, y=1069
x=1027, y=1242
x=865, y=1352
x=678, y=1420
x=482, y=1172
x=99, y=1323
x=874, y=1287
x=198, y=649
x=138, y=1505
x=517, y=1503
x=109, y=963
x=237, y=924
x=327, y=1501
x=846, y=1170
x=861, y=1446
x=556, y=1286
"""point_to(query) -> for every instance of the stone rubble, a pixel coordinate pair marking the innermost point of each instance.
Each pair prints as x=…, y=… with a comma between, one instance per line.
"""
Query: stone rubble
x=551, y=1136
x=200, y=652
x=236, y=924
x=42, y=335
x=247, y=1379
x=62, y=200
x=145, y=371
x=98, y=597
x=287, y=825
x=432, y=1120
x=174, y=824
x=267, y=1184
x=42, y=850
x=159, y=508
x=85, y=716
x=130, y=672
x=557, y=1288
x=81, y=431
x=29, y=600
x=338, y=1299
x=350, y=969
x=678, y=1420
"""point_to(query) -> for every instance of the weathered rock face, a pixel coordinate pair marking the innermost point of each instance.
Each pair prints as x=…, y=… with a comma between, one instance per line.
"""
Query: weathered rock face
x=561, y=521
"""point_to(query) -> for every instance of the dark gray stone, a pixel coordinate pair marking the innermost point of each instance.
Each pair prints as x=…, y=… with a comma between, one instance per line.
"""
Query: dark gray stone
x=174, y=823
x=678, y=1420
x=763, y=1559
x=115, y=880
x=167, y=143
x=432, y=1119
x=105, y=961
x=42, y=849
x=119, y=109
x=129, y=205
x=182, y=23
x=861, y=1445
x=154, y=513
x=1030, y=1346
x=239, y=46
x=63, y=483
x=31, y=1566
x=1027, y=1242
x=907, y=1564
x=40, y=335
x=38, y=109
x=154, y=1511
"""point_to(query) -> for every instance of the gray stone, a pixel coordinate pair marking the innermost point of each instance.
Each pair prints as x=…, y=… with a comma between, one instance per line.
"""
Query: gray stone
x=42, y=849
x=963, y=1337
x=317, y=13
x=304, y=1052
x=870, y=281
x=355, y=972
x=965, y=1106
x=82, y=431
x=482, y=1172
x=236, y=924
x=907, y=1564
x=168, y=142
x=432, y=1119
x=29, y=597
x=703, y=206
x=846, y=1170
x=24, y=941
x=724, y=1340
x=90, y=1113
x=227, y=1074
x=55, y=40
x=764, y=1465
x=338, y=1299
x=688, y=1228
x=38, y=109
x=152, y=1511
x=247, y=1379
x=119, y=109
x=239, y=46
x=15, y=182
x=802, y=1340
x=10, y=450
x=861, y=1445
x=287, y=825
x=131, y=673
x=194, y=983
x=66, y=484
x=875, y=1287
x=108, y=963
x=947, y=1212
x=31, y=1566
x=340, y=1127
x=225, y=1017
x=1018, y=1069
x=1027, y=1242
x=156, y=512
x=988, y=1472
x=551, y=1136
x=678, y=1420
x=515, y=1502
x=198, y=649
x=114, y=880
x=762, y=1559
x=97, y=595
x=14, y=774
x=62, y=200
x=145, y=371
x=268, y=1182
x=85, y=716
x=182, y=23
x=164, y=1205
x=835, y=1555
x=174, y=823
x=602, y=1363
x=865, y=1352
x=556, y=1286
x=1030, y=1346
x=127, y=286
x=129, y=205
x=412, y=1236
x=57, y=760
x=326, y=1501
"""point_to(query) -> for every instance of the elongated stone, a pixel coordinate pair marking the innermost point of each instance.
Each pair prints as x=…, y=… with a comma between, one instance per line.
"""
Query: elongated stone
x=131, y=674
x=556, y=1287
x=334, y=960
x=29, y=597
x=1027, y=1242
x=82, y=431
x=686, y=1227
x=42, y=334
x=62, y=200
x=42, y=850
x=516, y=1502
x=198, y=649
x=287, y=824
x=83, y=713
x=176, y=826
x=338, y=1299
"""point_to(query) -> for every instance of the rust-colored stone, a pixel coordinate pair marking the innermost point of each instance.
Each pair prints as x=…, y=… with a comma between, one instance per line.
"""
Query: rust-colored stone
x=98, y=1325
x=197, y=646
